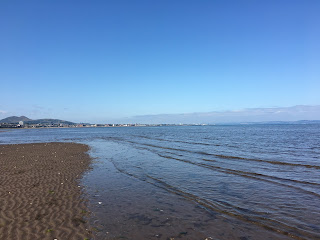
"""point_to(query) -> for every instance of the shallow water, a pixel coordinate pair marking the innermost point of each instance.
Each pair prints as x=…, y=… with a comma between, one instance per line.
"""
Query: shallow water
x=224, y=182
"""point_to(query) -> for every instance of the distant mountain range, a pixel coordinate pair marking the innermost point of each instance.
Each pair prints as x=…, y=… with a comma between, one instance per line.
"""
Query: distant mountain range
x=26, y=120
x=272, y=122
x=246, y=115
x=49, y=121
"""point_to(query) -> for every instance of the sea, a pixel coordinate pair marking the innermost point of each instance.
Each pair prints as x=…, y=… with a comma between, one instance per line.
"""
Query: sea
x=197, y=182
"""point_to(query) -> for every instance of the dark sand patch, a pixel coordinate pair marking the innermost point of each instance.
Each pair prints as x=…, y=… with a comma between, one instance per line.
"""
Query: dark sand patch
x=39, y=194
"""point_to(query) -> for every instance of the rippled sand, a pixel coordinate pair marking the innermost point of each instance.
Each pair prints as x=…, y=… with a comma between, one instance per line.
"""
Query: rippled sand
x=39, y=194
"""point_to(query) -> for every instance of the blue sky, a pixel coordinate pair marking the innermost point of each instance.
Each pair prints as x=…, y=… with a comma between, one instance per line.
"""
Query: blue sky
x=103, y=60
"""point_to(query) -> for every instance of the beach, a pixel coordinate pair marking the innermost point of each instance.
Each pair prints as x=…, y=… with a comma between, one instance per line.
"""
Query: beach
x=197, y=183
x=40, y=196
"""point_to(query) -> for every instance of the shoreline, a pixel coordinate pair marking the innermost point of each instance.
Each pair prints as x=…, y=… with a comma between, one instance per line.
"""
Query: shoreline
x=40, y=195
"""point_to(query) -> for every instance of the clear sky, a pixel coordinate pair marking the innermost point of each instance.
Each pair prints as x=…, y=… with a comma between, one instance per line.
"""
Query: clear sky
x=98, y=60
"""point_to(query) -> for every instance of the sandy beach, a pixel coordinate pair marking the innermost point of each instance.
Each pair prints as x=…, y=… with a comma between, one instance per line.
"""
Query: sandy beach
x=40, y=197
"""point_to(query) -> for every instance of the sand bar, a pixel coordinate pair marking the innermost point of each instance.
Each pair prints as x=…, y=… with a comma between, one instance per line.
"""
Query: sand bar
x=39, y=193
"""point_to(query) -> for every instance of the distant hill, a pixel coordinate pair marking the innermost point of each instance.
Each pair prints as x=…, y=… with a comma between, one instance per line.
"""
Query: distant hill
x=15, y=119
x=46, y=121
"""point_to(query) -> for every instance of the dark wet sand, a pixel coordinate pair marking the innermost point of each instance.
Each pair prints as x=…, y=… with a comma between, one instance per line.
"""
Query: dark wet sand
x=39, y=193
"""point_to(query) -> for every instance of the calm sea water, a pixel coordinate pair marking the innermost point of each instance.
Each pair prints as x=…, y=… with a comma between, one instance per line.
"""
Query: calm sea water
x=267, y=176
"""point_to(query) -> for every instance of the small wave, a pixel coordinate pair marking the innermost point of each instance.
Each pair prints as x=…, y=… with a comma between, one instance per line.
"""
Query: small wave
x=178, y=141
x=229, y=157
x=251, y=175
x=247, y=215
